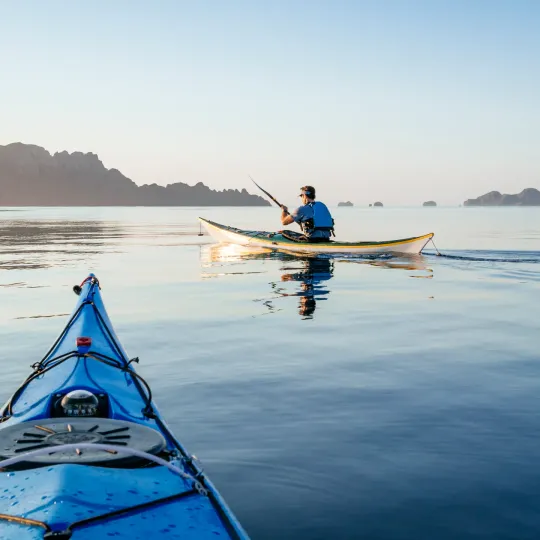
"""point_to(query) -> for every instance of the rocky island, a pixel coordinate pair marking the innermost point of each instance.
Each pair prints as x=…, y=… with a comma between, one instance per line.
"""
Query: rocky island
x=430, y=203
x=528, y=197
x=31, y=176
x=379, y=204
x=348, y=204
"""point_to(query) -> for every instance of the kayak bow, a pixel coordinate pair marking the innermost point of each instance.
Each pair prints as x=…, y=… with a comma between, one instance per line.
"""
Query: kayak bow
x=275, y=240
x=85, y=454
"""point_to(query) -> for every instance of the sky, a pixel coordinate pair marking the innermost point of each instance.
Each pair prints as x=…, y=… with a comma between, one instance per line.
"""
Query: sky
x=400, y=101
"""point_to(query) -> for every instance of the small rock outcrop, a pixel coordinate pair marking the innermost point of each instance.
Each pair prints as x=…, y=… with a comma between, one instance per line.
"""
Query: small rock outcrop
x=430, y=203
x=348, y=204
x=31, y=176
x=528, y=197
x=380, y=204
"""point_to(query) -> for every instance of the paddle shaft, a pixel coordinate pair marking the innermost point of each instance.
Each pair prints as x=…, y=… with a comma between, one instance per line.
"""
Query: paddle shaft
x=268, y=194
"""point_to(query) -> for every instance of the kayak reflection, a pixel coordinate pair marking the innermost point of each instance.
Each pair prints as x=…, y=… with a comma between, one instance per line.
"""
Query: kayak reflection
x=303, y=276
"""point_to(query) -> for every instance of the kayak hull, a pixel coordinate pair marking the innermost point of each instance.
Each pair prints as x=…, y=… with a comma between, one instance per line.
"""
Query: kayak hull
x=67, y=489
x=276, y=241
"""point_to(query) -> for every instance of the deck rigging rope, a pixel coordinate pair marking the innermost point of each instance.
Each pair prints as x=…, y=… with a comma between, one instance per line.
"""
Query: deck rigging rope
x=438, y=252
x=106, y=448
x=47, y=363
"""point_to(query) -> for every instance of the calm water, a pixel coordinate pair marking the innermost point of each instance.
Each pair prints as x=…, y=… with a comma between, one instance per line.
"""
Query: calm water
x=376, y=398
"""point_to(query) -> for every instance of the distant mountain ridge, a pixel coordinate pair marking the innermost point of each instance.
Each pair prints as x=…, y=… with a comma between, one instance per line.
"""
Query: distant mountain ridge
x=31, y=176
x=528, y=197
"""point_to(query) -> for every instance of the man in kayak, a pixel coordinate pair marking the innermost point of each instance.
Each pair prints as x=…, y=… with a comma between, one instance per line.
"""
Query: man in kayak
x=313, y=217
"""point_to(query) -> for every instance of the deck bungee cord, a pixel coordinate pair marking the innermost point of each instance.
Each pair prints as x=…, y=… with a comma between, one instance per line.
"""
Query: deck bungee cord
x=46, y=364
x=67, y=533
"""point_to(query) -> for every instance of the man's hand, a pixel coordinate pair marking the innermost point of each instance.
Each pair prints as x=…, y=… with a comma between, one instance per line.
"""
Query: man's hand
x=286, y=218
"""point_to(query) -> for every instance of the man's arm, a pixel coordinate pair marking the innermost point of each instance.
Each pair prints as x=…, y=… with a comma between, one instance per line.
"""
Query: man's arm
x=286, y=218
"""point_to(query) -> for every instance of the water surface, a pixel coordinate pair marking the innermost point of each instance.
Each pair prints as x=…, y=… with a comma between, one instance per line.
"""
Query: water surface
x=344, y=397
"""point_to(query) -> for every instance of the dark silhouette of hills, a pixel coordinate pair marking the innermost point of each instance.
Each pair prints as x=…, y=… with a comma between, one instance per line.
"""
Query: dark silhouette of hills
x=31, y=176
x=528, y=197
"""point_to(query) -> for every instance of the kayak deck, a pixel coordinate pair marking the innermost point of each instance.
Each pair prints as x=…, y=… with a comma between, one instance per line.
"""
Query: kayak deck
x=63, y=494
x=62, y=483
x=275, y=240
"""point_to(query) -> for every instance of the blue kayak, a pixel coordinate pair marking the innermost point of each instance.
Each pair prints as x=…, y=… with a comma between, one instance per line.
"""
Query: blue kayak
x=85, y=454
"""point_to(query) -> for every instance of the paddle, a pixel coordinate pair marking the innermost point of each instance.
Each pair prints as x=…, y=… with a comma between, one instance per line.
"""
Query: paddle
x=282, y=206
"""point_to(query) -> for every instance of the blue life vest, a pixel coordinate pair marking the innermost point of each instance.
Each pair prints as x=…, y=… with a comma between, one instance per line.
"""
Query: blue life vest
x=322, y=219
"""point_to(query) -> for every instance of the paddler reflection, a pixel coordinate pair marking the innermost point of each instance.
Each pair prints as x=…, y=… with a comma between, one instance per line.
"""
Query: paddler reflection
x=312, y=275
x=302, y=276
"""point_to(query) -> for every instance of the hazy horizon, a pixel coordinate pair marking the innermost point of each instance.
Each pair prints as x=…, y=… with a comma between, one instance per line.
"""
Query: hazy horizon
x=400, y=102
